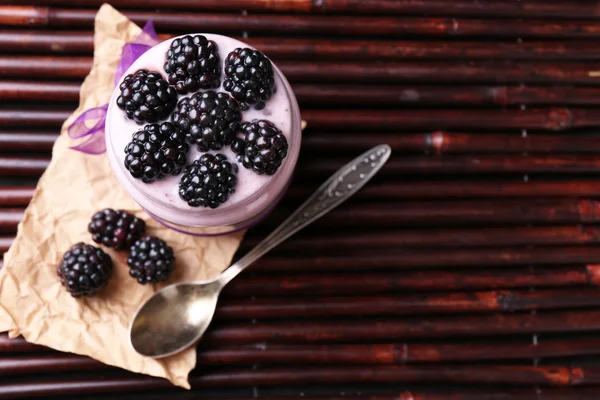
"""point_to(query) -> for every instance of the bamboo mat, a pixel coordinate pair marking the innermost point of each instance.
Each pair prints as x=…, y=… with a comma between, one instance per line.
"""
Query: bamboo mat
x=468, y=269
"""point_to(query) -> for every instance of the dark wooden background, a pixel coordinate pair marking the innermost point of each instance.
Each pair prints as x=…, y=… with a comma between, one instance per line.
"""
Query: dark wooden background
x=466, y=270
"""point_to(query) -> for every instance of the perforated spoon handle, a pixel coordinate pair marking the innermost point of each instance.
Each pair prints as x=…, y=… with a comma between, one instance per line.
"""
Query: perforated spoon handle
x=338, y=188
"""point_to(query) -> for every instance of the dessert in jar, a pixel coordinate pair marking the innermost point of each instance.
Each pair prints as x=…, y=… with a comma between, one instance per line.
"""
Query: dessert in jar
x=204, y=131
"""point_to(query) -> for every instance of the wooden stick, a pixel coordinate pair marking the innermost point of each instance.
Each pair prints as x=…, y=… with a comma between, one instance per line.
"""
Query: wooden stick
x=433, y=95
x=425, y=165
x=26, y=141
x=483, y=301
x=22, y=166
x=500, y=375
x=351, y=95
x=10, y=218
x=404, y=50
x=438, y=142
x=553, y=376
x=82, y=386
x=537, y=393
x=459, y=212
x=393, y=353
x=554, y=119
x=314, y=24
x=422, y=165
x=43, y=364
x=306, y=49
x=435, y=214
x=409, y=304
x=494, y=72
x=24, y=16
x=45, y=67
x=482, y=72
x=15, y=196
x=34, y=166
x=369, y=283
x=44, y=91
x=62, y=42
x=414, y=327
x=475, y=164
x=5, y=242
x=18, y=345
x=26, y=118
x=348, y=354
x=441, y=142
x=414, y=190
x=94, y=386
x=421, y=258
x=505, y=278
x=521, y=375
x=176, y=394
x=488, y=237
x=466, y=8
x=566, y=211
x=467, y=189
x=537, y=211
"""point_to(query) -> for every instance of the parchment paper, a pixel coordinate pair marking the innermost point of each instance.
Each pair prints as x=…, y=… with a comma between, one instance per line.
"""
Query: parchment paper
x=32, y=301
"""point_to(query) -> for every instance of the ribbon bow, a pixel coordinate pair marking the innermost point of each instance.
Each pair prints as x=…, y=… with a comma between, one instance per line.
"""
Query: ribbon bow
x=96, y=117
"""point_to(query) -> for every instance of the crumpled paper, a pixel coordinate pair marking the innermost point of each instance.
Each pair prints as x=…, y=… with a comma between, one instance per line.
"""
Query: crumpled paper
x=32, y=301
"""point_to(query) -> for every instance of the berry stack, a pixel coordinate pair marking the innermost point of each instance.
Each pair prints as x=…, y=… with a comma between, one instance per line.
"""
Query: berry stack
x=84, y=270
x=156, y=151
x=193, y=63
x=202, y=118
x=208, y=182
x=146, y=97
x=209, y=119
x=249, y=78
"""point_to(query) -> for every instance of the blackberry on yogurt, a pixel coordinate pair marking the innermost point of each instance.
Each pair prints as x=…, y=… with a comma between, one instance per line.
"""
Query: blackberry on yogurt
x=155, y=152
x=84, y=270
x=193, y=63
x=249, y=77
x=262, y=148
x=209, y=119
x=150, y=260
x=208, y=181
x=116, y=229
x=146, y=97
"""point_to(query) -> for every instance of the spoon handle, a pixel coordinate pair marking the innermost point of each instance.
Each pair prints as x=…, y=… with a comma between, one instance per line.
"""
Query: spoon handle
x=339, y=187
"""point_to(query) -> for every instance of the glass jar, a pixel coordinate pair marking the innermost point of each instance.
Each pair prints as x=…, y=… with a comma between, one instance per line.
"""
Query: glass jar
x=255, y=196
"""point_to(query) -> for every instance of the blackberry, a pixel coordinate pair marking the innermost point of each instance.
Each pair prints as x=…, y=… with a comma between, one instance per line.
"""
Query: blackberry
x=156, y=151
x=150, y=260
x=209, y=119
x=209, y=181
x=193, y=63
x=84, y=270
x=146, y=97
x=249, y=77
x=116, y=229
x=263, y=147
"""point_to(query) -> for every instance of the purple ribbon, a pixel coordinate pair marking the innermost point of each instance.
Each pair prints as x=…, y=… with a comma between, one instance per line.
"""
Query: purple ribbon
x=91, y=123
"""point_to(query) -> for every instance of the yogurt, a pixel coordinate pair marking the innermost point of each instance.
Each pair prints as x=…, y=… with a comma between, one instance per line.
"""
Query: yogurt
x=255, y=194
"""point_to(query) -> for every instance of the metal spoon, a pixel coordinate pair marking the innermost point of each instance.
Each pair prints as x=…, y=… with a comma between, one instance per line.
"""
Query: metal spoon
x=177, y=316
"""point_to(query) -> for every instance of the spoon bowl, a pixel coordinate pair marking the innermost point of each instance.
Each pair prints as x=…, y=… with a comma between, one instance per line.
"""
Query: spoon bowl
x=177, y=316
x=159, y=327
